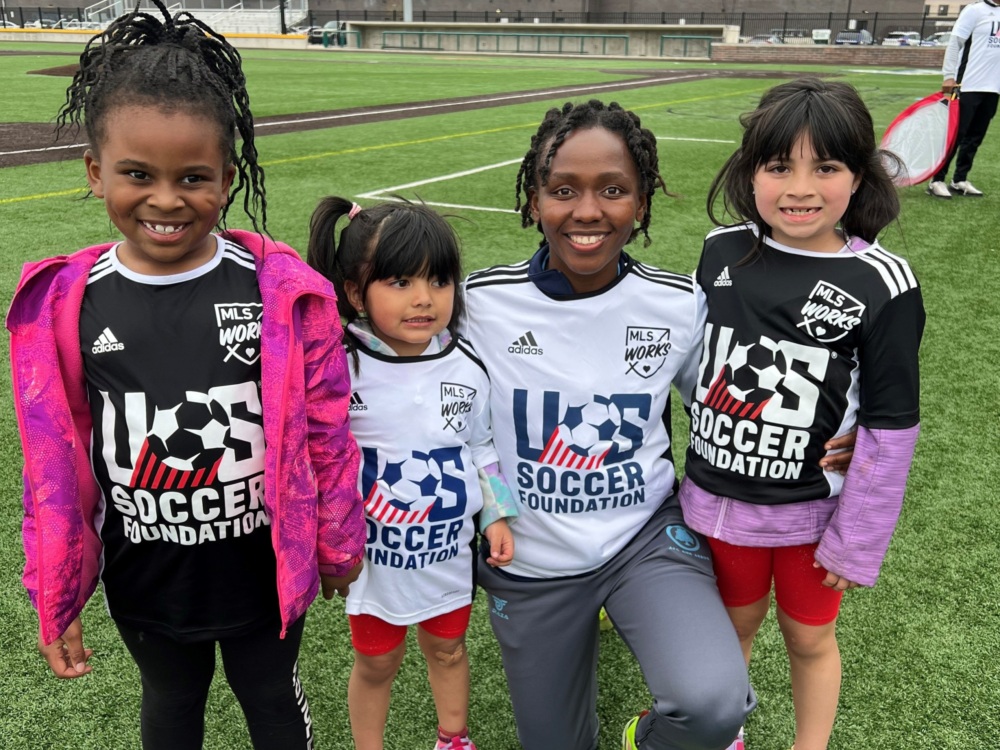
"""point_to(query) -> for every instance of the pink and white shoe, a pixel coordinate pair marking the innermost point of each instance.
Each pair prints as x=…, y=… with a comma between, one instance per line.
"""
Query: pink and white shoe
x=456, y=743
x=738, y=743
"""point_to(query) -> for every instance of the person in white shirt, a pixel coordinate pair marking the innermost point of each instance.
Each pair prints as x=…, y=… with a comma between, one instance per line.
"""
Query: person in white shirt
x=972, y=64
x=420, y=413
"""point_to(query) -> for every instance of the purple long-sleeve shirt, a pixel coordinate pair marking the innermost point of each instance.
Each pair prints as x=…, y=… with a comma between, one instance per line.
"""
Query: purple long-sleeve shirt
x=853, y=529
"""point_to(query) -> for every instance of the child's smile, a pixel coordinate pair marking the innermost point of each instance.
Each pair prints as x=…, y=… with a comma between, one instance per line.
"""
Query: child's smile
x=407, y=312
x=164, y=181
x=802, y=198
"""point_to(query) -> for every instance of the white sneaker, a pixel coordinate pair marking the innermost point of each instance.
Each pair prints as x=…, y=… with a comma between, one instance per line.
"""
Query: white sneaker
x=938, y=189
x=965, y=188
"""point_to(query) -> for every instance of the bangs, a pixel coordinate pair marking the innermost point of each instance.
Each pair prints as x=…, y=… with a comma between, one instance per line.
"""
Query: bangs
x=822, y=119
x=412, y=243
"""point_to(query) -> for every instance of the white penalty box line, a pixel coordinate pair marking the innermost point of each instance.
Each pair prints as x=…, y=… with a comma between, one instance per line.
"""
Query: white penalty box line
x=384, y=194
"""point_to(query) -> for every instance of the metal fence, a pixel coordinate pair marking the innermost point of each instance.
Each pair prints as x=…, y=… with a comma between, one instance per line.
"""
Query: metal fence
x=785, y=25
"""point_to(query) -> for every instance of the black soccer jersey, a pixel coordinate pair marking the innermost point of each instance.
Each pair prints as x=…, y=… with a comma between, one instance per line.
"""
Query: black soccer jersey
x=799, y=347
x=173, y=378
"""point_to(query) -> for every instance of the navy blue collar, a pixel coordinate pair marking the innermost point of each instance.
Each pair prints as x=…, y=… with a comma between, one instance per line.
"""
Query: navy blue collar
x=553, y=282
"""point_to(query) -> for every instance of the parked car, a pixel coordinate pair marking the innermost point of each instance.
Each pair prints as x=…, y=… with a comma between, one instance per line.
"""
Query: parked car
x=857, y=36
x=764, y=39
x=901, y=39
x=939, y=39
x=330, y=28
x=5, y=24
x=45, y=23
x=75, y=24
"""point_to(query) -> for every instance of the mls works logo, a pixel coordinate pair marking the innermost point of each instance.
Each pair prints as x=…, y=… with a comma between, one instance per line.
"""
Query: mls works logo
x=456, y=405
x=646, y=350
x=239, y=330
x=830, y=313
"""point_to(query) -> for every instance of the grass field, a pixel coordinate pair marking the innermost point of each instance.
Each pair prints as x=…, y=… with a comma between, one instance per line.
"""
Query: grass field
x=920, y=650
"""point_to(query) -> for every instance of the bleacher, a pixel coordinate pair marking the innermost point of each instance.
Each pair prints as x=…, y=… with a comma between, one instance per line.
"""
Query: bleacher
x=225, y=16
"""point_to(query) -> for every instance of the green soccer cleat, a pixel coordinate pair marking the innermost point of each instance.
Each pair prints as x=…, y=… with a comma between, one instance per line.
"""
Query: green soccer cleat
x=628, y=733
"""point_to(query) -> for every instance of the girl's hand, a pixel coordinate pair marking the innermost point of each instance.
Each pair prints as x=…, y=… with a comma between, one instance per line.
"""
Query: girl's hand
x=333, y=585
x=501, y=541
x=66, y=656
x=834, y=581
x=840, y=461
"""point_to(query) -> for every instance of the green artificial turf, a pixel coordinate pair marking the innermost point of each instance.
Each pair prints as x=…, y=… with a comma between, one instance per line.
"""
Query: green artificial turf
x=920, y=650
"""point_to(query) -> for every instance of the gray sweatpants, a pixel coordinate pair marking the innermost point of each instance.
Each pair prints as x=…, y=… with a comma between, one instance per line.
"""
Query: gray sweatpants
x=660, y=593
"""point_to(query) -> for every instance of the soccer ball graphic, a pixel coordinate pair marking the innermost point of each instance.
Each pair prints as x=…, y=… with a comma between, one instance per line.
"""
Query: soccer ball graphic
x=192, y=435
x=411, y=480
x=754, y=372
x=590, y=430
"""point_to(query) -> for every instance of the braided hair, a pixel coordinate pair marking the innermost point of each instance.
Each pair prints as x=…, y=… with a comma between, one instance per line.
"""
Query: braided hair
x=176, y=64
x=560, y=123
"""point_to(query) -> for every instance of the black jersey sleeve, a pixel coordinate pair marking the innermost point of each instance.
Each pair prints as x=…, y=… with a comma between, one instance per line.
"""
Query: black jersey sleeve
x=890, y=378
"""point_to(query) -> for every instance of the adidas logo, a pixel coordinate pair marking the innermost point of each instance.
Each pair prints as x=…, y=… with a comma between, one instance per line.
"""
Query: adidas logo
x=525, y=345
x=356, y=403
x=107, y=342
x=724, y=278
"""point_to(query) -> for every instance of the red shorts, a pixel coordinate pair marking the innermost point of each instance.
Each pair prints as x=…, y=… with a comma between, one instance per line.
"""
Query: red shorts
x=373, y=636
x=745, y=574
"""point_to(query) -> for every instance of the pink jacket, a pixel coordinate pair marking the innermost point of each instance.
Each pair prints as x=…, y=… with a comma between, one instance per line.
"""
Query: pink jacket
x=310, y=481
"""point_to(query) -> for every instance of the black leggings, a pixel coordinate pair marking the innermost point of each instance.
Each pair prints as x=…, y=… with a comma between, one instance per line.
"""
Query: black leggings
x=262, y=671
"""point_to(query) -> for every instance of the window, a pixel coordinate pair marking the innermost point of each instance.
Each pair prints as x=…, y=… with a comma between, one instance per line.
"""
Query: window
x=942, y=10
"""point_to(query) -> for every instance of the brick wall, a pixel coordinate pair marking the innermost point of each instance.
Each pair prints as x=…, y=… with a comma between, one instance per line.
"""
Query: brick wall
x=822, y=54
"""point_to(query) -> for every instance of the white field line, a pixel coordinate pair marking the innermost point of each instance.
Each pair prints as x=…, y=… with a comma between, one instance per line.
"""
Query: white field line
x=693, y=140
x=380, y=193
x=454, y=175
x=416, y=108
x=42, y=150
x=485, y=100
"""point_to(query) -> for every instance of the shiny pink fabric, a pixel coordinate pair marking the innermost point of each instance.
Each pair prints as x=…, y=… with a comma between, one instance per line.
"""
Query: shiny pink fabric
x=311, y=495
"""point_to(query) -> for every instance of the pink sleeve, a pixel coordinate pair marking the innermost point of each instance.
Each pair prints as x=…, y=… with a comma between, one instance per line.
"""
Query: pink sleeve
x=333, y=451
x=855, y=543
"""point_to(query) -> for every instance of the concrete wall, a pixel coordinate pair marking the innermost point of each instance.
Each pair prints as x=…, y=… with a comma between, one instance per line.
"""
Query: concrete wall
x=632, y=6
x=643, y=41
x=821, y=54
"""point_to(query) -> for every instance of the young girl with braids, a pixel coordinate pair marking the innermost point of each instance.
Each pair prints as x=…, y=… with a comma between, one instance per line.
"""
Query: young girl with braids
x=429, y=467
x=182, y=401
x=581, y=363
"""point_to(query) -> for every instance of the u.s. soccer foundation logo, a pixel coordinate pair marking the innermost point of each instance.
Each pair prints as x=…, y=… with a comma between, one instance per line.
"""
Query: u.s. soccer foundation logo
x=585, y=436
x=748, y=379
x=830, y=313
x=417, y=489
x=186, y=444
x=239, y=330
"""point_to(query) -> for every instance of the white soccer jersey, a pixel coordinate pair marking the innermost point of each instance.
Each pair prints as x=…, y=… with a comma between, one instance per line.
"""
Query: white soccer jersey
x=973, y=56
x=580, y=404
x=422, y=424
x=799, y=346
